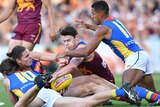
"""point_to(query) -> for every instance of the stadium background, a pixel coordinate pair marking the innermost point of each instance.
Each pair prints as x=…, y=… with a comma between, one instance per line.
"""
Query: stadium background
x=141, y=18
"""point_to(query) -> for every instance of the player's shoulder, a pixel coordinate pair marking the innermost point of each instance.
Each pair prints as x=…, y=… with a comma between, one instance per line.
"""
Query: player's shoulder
x=103, y=29
x=6, y=83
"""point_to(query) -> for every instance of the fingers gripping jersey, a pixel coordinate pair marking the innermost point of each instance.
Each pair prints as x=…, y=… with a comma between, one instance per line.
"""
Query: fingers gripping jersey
x=121, y=42
x=21, y=82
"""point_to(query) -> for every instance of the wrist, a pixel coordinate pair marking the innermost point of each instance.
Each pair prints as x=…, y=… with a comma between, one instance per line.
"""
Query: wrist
x=66, y=53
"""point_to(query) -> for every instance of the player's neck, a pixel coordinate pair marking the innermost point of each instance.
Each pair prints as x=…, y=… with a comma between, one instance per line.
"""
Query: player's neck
x=104, y=18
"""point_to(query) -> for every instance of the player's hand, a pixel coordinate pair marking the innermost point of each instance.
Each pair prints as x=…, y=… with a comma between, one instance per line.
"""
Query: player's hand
x=53, y=35
x=81, y=24
x=54, y=76
x=63, y=62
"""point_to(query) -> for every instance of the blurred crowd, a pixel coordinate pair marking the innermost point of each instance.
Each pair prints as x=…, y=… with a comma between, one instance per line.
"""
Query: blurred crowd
x=141, y=18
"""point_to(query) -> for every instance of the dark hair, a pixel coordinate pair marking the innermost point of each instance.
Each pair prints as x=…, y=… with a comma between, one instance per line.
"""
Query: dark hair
x=16, y=52
x=68, y=30
x=101, y=5
x=8, y=66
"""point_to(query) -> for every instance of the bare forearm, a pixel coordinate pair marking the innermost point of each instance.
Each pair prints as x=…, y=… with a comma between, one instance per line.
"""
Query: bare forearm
x=82, y=52
x=91, y=27
x=64, y=71
x=51, y=19
x=5, y=15
x=43, y=56
x=27, y=98
x=9, y=9
x=47, y=57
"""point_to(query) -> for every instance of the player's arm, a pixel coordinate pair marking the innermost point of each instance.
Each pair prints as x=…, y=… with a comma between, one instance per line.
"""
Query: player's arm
x=85, y=25
x=11, y=96
x=50, y=9
x=27, y=97
x=43, y=56
x=71, y=67
x=8, y=10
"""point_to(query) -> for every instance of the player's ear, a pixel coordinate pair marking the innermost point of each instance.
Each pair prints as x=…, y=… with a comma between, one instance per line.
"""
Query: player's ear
x=77, y=36
x=18, y=60
x=101, y=14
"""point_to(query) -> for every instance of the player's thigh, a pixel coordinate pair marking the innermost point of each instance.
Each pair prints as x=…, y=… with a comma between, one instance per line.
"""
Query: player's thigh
x=147, y=82
x=28, y=45
x=84, y=90
x=135, y=67
x=101, y=81
x=79, y=81
x=13, y=43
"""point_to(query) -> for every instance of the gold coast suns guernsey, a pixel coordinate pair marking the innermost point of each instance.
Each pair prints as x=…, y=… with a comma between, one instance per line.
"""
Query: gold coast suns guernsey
x=121, y=42
x=21, y=82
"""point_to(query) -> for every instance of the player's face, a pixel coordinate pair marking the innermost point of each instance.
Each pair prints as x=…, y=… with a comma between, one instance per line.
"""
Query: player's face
x=26, y=59
x=70, y=42
x=95, y=16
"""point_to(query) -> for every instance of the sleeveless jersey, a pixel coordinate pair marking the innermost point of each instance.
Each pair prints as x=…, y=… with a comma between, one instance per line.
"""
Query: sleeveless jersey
x=21, y=82
x=29, y=11
x=96, y=65
x=121, y=42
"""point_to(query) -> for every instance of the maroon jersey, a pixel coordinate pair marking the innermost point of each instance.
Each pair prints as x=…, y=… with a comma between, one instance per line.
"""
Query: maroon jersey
x=28, y=11
x=94, y=64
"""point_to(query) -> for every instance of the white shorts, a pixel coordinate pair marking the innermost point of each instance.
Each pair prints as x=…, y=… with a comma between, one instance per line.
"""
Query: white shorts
x=139, y=60
x=49, y=96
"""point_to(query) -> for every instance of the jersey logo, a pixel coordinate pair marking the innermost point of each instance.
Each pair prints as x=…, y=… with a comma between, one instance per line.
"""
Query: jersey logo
x=25, y=4
x=104, y=64
x=14, y=35
x=85, y=71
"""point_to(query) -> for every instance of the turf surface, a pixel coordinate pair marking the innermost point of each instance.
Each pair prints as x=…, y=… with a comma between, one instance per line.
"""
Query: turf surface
x=4, y=98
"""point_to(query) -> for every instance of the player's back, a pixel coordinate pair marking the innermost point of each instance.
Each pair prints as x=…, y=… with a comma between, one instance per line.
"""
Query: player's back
x=121, y=42
x=94, y=64
x=21, y=82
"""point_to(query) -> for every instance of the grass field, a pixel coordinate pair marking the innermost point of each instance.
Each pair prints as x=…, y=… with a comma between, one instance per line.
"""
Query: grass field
x=4, y=97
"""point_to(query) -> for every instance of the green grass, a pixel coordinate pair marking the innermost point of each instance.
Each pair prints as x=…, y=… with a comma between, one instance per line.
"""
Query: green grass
x=4, y=98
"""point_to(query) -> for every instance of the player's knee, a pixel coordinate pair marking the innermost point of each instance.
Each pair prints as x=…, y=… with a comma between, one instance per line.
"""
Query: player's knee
x=89, y=88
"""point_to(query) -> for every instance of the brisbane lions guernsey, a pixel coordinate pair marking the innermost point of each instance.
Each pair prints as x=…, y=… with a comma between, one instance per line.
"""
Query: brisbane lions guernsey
x=21, y=82
x=121, y=42
x=28, y=11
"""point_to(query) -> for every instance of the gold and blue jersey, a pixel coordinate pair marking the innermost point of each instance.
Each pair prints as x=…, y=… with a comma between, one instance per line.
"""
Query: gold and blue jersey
x=21, y=82
x=121, y=42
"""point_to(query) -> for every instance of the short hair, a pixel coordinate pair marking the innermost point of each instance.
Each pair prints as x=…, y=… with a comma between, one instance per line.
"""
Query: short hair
x=16, y=52
x=101, y=5
x=68, y=30
x=8, y=66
